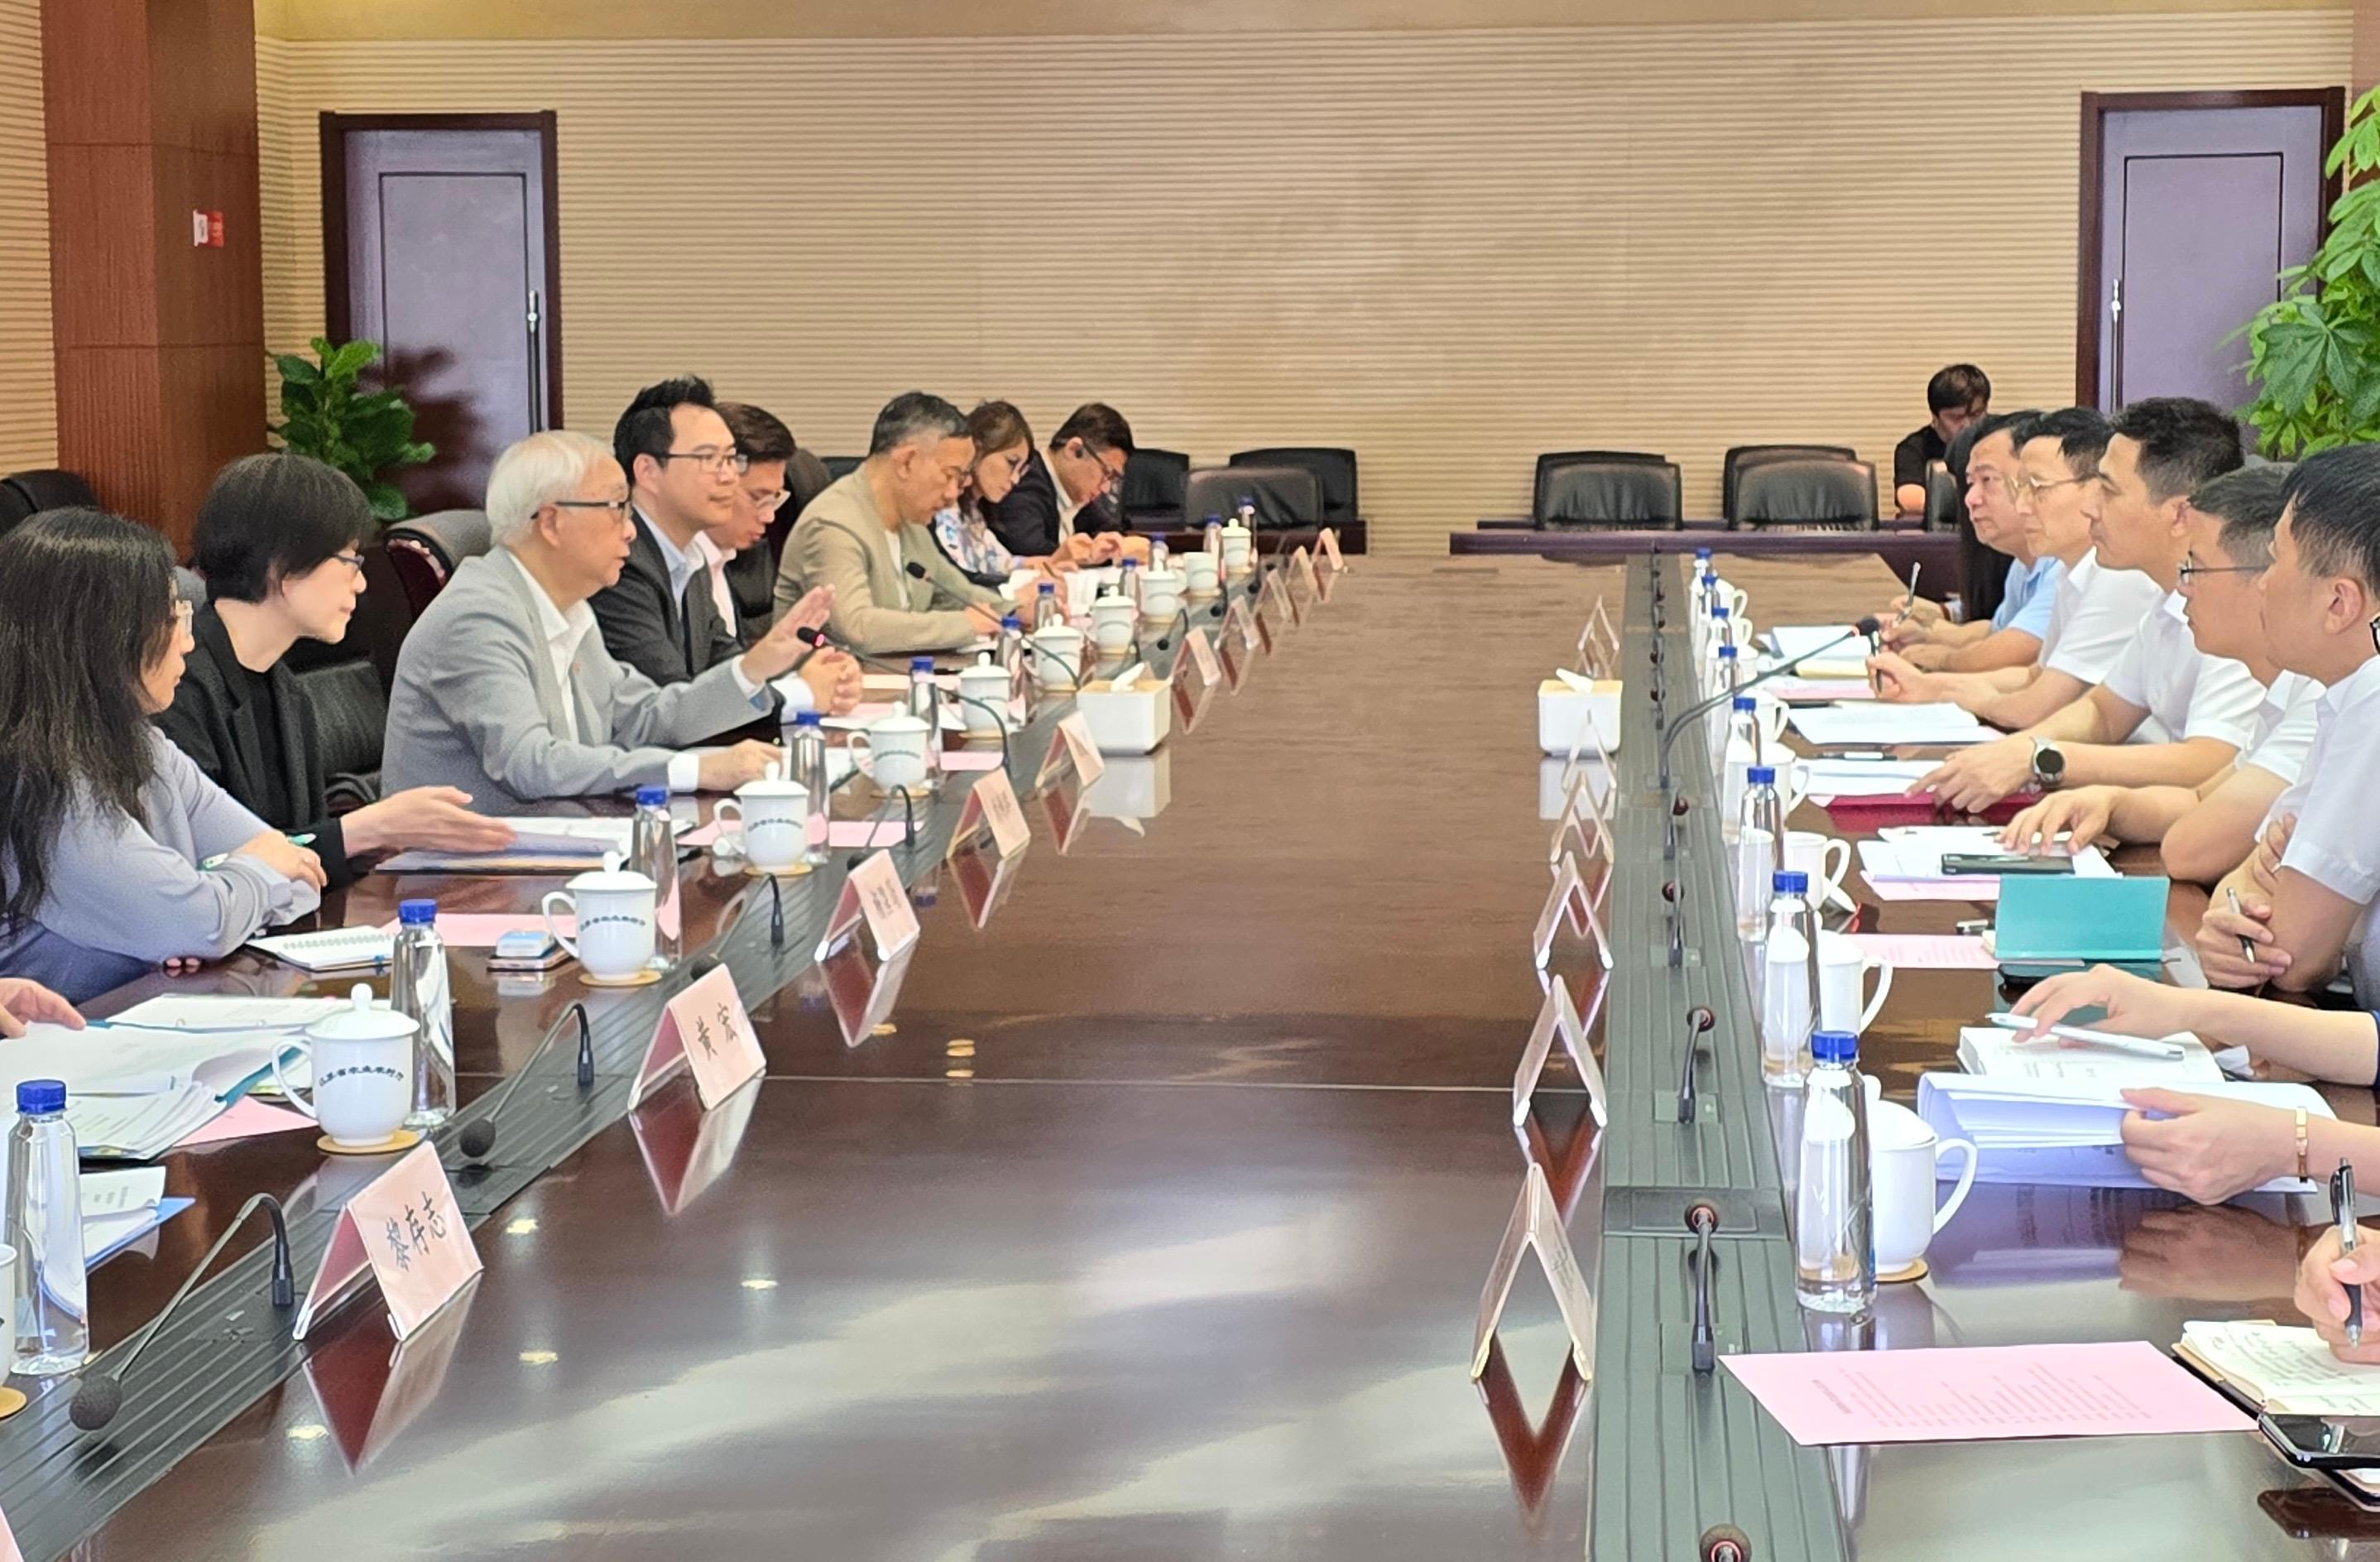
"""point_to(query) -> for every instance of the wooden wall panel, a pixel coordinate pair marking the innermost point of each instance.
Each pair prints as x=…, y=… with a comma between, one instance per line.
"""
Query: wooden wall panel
x=29, y=409
x=1450, y=249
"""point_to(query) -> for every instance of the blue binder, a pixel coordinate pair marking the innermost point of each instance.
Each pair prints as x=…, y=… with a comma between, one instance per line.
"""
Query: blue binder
x=2118, y=920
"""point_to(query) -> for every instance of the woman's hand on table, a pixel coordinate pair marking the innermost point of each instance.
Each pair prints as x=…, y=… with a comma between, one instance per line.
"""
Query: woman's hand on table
x=2323, y=1279
x=1972, y=779
x=2135, y=1006
x=2081, y=816
x=2217, y=944
x=2209, y=1148
x=23, y=1002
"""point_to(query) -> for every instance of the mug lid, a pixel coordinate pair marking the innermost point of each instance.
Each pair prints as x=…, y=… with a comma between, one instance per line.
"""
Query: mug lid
x=772, y=786
x=900, y=722
x=361, y=1021
x=610, y=876
x=1057, y=631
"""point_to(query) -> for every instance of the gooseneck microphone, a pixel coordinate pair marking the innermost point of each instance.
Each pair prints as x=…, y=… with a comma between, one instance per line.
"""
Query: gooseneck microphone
x=1702, y=1219
x=478, y=1136
x=1685, y=718
x=883, y=814
x=100, y=1395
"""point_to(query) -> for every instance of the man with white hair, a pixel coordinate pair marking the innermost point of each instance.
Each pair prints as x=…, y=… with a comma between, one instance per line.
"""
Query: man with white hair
x=504, y=682
x=865, y=538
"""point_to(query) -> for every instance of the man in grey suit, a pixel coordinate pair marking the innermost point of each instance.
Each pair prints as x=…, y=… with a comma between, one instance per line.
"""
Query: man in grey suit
x=504, y=683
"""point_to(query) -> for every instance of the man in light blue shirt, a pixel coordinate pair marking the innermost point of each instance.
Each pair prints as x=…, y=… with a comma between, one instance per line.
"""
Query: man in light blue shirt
x=2032, y=591
x=2013, y=637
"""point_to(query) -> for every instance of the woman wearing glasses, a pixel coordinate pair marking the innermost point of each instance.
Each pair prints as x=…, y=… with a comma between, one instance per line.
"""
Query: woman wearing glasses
x=116, y=854
x=279, y=539
x=1003, y=445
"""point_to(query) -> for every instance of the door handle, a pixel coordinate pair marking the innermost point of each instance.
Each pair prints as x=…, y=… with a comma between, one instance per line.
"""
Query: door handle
x=536, y=361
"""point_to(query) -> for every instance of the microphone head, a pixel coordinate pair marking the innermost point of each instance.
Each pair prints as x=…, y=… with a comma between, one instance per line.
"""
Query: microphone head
x=477, y=1139
x=1870, y=624
x=810, y=637
x=1701, y=1018
x=1702, y=1215
x=917, y=571
x=1669, y=891
x=1678, y=809
x=701, y=967
x=95, y=1402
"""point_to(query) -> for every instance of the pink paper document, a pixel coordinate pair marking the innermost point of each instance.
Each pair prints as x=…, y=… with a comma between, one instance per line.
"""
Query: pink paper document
x=1978, y=887
x=1795, y=691
x=861, y=832
x=246, y=1120
x=961, y=760
x=1926, y=951
x=479, y=929
x=2122, y=1389
x=701, y=835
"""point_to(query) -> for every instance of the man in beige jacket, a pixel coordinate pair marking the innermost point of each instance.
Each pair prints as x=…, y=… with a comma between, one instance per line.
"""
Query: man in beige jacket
x=866, y=536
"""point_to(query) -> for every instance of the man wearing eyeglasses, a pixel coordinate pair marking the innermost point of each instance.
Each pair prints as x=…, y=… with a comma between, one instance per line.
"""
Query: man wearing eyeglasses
x=2307, y=908
x=865, y=538
x=780, y=479
x=1074, y=486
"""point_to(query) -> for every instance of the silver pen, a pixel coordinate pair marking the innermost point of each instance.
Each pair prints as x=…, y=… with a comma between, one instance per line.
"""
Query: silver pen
x=2247, y=944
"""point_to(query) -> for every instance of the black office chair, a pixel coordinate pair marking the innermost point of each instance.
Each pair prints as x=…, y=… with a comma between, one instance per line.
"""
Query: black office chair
x=1154, y=482
x=376, y=633
x=1284, y=496
x=1945, y=506
x=350, y=717
x=1591, y=491
x=1335, y=472
x=1742, y=455
x=1813, y=493
x=47, y=488
x=427, y=549
x=838, y=466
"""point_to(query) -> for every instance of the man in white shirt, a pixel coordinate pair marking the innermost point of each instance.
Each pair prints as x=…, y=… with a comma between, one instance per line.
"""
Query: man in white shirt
x=2196, y=712
x=2207, y=830
x=2097, y=609
x=504, y=682
x=2308, y=904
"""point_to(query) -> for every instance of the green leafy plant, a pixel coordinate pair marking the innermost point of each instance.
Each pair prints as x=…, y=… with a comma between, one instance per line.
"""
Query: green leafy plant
x=2314, y=353
x=327, y=416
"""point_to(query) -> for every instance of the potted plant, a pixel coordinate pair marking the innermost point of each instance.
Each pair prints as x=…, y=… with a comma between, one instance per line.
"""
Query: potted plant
x=2314, y=353
x=364, y=434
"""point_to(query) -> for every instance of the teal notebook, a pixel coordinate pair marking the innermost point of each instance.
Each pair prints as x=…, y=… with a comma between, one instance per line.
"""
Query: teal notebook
x=2061, y=918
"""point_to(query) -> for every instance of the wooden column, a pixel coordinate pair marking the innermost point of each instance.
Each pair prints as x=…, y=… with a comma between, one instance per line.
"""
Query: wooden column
x=151, y=108
x=2366, y=62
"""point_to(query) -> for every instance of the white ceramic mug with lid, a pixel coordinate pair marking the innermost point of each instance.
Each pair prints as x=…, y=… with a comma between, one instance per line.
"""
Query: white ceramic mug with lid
x=1057, y=656
x=1160, y=594
x=1112, y=618
x=1842, y=982
x=1199, y=574
x=615, y=908
x=773, y=816
x=1239, y=545
x=983, y=696
x=892, y=752
x=1904, y=1174
x=362, y=1059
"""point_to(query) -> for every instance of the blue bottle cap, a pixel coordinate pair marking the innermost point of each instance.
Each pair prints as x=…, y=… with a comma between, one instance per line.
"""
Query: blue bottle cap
x=1011, y=621
x=1788, y=881
x=806, y=718
x=424, y=913
x=1718, y=611
x=1760, y=775
x=652, y=797
x=921, y=663
x=1727, y=653
x=1213, y=518
x=1048, y=589
x=1702, y=553
x=1745, y=701
x=42, y=1095
x=1834, y=1046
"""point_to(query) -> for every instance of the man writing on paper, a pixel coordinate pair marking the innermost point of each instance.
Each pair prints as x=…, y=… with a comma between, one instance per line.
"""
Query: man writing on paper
x=1984, y=460
x=2198, y=710
x=504, y=682
x=2096, y=609
x=2307, y=891
x=2210, y=829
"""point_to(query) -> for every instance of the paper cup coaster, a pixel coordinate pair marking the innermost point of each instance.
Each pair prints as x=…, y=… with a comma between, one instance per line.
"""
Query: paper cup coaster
x=642, y=979
x=1916, y=1271
x=795, y=871
x=11, y=1403
x=403, y=1138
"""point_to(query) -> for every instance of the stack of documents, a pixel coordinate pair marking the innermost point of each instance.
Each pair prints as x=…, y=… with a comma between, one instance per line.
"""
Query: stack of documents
x=1848, y=660
x=562, y=841
x=1904, y=862
x=2280, y=1371
x=2067, y=1132
x=1996, y=1053
x=121, y=1207
x=1833, y=778
x=1875, y=725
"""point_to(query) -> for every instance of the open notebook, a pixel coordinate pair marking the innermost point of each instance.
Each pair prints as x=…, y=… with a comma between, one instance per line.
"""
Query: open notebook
x=2285, y=1371
x=338, y=948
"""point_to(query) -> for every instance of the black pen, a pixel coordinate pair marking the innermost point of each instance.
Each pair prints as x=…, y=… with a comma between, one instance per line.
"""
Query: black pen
x=2342, y=1210
x=2247, y=944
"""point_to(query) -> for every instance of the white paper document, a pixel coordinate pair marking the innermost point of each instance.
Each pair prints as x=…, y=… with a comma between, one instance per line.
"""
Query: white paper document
x=1862, y=778
x=1876, y=725
x=1989, y=1051
x=1848, y=659
x=2287, y=1371
x=2069, y=1132
x=1914, y=853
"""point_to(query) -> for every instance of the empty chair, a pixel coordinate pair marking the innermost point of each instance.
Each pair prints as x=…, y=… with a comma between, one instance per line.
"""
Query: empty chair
x=840, y=466
x=1154, y=482
x=1284, y=496
x=1811, y=491
x=1333, y=468
x=427, y=549
x=1607, y=488
x=1743, y=456
x=47, y=488
x=350, y=715
x=1945, y=506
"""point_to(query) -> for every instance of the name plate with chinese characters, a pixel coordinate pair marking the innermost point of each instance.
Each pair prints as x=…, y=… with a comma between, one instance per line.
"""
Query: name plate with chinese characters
x=705, y=1030
x=1326, y=542
x=872, y=892
x=1078, y=748
x=1559, y=1019
x=1536, y=1227
x=406, y=1231
x=1569, y=895
x=991, y=803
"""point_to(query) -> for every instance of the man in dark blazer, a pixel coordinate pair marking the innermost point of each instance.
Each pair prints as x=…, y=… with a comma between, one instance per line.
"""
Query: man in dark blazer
x=1068, y=488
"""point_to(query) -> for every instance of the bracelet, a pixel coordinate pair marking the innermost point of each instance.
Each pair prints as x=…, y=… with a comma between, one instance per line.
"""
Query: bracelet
x=2302, y=1174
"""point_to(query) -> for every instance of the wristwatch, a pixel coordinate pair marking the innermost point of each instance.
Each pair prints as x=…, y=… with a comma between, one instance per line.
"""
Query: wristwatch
x=2049, y=764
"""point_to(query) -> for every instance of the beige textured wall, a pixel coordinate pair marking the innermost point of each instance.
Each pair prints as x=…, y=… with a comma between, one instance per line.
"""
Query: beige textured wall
x=29, y=410
x=1450, y=249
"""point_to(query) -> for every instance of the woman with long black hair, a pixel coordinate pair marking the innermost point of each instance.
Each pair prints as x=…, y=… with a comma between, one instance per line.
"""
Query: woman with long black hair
x=116, y=854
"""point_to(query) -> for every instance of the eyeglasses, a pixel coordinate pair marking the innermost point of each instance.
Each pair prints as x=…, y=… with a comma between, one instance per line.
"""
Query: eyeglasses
x=2036, y=486
x=183, y=614
x=353, y=561
x=619, y=508
x=769, y=503
x=2375, y=628
x=1112, y=476
x=713, y=462
x=2191, y=570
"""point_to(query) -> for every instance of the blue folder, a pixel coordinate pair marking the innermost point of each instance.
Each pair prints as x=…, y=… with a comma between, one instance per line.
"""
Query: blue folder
x=2120, y=920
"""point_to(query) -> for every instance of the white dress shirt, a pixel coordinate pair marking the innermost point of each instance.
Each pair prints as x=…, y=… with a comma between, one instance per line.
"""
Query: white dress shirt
x=1068, y=505
x=564, y=631
x=2098, y=613
x=715, y=563
x=2285, y=727
x=2337, y=839
x=2186, y=693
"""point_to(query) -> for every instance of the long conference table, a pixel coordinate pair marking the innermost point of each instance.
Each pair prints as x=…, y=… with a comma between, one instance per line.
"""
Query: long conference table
x=1152, y=1220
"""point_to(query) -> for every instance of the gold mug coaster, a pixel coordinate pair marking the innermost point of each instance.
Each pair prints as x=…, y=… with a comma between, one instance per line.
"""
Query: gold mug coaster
x=642, y=979
x=403, y=1138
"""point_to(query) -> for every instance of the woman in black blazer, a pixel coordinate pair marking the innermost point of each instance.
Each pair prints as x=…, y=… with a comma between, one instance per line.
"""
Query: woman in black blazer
x=279, y=540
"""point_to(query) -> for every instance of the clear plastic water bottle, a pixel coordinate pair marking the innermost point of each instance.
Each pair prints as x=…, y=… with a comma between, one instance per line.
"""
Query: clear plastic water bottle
x=1128, y=583
x=417, y=989
x=1834, y=1215
x=653, y=851
x=1739, y=753
x=806, y=750
x=53, y=1298
x=1718, y=643
x=1213, y=541
x=1759, y=850
x=1046, y=611
x=1786, y=1011
x=1158, y=553
x=1012, y=653
x=1247, y=513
